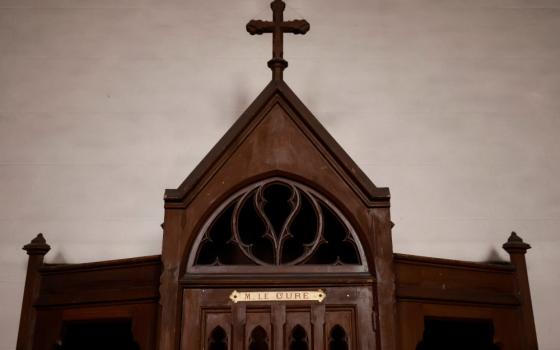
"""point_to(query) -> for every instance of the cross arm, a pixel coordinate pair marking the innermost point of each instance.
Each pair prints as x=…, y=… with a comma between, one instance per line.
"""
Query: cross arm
x=259, y=27
x=297, y=26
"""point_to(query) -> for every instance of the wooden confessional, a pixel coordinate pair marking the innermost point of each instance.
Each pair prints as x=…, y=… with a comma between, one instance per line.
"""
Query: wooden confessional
x=277, y=240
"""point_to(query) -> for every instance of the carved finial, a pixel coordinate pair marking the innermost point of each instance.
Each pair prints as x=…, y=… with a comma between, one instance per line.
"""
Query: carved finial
x=278, y=27
x=515, y=244
x=37, y=246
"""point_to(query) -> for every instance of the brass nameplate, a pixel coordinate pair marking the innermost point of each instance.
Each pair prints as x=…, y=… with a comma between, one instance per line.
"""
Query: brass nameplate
x=280, y=295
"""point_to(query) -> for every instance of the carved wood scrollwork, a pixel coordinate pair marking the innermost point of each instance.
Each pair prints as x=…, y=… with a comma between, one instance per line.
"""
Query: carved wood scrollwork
x=277, y=222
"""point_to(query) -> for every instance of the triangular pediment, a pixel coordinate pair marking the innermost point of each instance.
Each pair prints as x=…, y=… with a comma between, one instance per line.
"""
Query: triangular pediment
x=276, y=134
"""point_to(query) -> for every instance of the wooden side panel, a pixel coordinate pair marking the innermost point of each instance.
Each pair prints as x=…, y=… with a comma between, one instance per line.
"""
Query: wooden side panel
x=119, y=280
x=120, y=289
x=507, y=327
x=50, y=322
x=454, y=281
x=448, y=289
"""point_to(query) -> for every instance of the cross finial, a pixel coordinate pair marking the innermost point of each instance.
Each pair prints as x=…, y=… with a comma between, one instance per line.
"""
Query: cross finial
x=278, y=27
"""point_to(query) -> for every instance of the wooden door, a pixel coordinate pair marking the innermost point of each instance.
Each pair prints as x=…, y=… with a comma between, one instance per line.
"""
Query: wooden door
x=277, y=236
x=342, y=321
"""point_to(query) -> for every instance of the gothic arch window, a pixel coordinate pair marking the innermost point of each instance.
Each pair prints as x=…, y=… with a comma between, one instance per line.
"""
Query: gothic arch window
x=299, y=339
x=338, y=340
x=218, y=339
x=277, y=222
x=259, y=339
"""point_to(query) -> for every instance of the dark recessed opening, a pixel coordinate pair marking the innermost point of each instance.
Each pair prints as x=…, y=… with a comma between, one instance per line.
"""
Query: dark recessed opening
x=457, y=334
x=259, y=339
x=97, y=334
x=299, y=339
x=218, y=339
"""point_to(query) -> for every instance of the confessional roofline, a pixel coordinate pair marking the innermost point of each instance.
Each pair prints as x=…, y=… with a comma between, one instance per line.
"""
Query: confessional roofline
x=278, y=92
x=377, y=196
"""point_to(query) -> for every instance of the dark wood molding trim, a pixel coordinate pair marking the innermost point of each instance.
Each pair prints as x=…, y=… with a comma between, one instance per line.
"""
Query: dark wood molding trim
x=504, y=267
x=48, y=269
x=466, y=296
x=112, y=281
x=274, y=280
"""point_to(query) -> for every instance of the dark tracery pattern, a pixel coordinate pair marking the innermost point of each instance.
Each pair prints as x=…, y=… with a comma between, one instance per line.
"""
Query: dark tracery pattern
x=218, y=339
x=338, y=339
x=259, y=339
x=277, y=222
x=299, y=339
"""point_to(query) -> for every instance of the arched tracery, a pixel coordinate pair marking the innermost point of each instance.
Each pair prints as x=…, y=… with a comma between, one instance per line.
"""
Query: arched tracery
x=277, y=222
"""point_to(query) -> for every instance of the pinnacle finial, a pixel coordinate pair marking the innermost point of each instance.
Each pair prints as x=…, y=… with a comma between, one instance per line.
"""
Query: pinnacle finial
x=37, y=246
x=278, y=27
x=515, y=244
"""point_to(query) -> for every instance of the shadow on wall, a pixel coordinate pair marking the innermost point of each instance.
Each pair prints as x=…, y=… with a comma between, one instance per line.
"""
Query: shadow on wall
x=58, y=258
x=494, y=257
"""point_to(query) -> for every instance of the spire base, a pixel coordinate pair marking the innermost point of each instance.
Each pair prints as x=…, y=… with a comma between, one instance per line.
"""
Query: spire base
x=277, y=65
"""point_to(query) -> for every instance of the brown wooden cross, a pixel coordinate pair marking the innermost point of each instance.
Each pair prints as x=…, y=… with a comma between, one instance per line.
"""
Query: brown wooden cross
x=278, y=27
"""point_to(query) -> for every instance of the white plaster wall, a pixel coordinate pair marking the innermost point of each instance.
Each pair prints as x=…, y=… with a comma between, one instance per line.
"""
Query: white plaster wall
x=105, y=103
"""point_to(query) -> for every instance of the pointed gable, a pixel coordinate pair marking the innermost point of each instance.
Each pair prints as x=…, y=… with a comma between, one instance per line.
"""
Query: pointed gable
x=277, y=134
